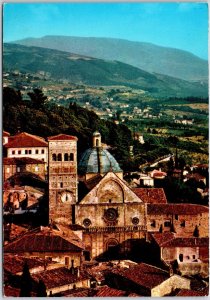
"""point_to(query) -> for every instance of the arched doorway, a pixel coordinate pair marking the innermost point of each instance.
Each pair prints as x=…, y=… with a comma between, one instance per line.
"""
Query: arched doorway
x=112, y=249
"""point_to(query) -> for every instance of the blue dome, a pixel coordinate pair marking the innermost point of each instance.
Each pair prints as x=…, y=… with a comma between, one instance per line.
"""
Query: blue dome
x=98, y=160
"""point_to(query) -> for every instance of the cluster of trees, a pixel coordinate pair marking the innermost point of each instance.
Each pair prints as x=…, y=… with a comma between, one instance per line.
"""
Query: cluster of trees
x=40, y=117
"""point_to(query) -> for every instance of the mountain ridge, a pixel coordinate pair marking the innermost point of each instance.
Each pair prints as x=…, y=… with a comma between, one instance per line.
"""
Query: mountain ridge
x=146, y=56
x=96, y=72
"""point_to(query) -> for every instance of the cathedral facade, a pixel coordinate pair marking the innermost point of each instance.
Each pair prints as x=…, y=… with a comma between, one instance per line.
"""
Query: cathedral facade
x=110, y=214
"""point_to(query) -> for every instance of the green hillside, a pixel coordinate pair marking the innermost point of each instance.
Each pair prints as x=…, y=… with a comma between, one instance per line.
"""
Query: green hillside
x=146, y=56
x=91, y=71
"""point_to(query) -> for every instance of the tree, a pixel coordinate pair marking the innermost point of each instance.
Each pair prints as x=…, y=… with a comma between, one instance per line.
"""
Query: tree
x=25, y=282
x=38, y=100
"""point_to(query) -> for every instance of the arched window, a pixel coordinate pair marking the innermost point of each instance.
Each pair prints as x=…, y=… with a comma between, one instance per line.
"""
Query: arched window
x=66, y=157
x=54, y=157
x=97, y=142
x=71, y=156
x=59, y=157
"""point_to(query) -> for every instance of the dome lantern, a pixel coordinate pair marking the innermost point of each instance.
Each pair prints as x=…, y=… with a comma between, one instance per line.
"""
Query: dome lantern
x=96, y=139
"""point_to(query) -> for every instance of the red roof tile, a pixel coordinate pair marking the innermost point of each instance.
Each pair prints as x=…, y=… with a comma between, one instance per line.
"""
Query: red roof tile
x=180, y=241
x=58, y=277
x=24, y=139
x=78, y=292
x=10, y=291
x=196, y=176
x=161, y=238
x=5, y=133
x=21, y=161
x=151, y=195
x=14, y=263
x=41, y=241
x=106, y=291
x=191, y=293
x=179, y=209
x=62, y=137
x=144, y=275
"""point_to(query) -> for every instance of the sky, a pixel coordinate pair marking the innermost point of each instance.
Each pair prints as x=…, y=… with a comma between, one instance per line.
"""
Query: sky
x=181, y=25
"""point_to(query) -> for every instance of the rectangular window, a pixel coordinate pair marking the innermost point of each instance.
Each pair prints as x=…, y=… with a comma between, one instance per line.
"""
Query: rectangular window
x=67, y=260
x=8, y=169
x=61, y=184
x=19, y=151
x=37, y=151
x=42, y=151
x=29, y=151
x=167, y=223
x=13, y=152
x=176, y=217
x=182, y=224
x=26, y=151
x=153, y=223
x=18, y=169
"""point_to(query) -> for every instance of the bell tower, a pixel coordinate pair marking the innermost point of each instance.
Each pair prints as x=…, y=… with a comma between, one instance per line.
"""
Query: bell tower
x=62, y=178
x=96, y=139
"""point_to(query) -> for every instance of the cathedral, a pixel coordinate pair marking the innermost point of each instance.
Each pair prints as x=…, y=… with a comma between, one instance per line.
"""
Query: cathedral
x=109, y=213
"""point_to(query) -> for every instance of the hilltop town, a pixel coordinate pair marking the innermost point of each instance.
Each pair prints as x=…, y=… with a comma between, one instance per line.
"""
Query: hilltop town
x=81, y=227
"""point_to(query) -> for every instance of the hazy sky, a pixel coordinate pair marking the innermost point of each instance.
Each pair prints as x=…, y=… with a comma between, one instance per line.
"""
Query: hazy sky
x=178, y=25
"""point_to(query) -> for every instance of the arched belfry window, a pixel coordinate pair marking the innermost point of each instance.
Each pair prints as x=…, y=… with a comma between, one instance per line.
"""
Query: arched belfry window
x=59, y=157
x=66, y=157
x=71, y=157
x=54, y=157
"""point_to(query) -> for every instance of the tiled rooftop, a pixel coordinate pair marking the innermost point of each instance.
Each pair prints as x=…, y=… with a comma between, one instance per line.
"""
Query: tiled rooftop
x=191, y=293
x=58, y=277
x=168, y=239
x=62, y=137
x=42, y=241
x=151, y=195
x=23, y=140
x=21, y=160
x=106, y=291
x=179, y=209
x=14, y=263
x=143, y=274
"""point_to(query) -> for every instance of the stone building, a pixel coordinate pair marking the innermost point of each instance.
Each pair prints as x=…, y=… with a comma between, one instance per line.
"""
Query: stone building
x=27, y=145
x=146, y=280
x=48, y=244
x=62, y=178
x=112, y=215
x=13, y=165
x=190, y=253
x=183, y=219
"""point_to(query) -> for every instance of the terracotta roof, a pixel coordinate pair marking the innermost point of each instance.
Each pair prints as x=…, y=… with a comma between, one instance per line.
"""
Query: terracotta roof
x=12, y=231
x=78, y=292
x=5, y=133
x=189, y=293
x=41, y=241
x=162, y=238
x=196, y=176
x=106, y=291
x=151, y=195
x=167, y=241
x=24, y=139
x=21, y=160
x=62, y=137
x=143, y=274
x=70, y=236
x=10, y=291
x=14, y=263
x=179, y=209
x=58, y=277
